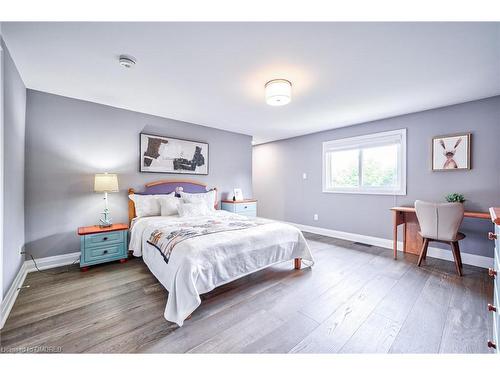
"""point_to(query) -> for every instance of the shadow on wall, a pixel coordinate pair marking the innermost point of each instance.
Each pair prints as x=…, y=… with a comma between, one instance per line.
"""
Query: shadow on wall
x=64, y=195
x=55, y=244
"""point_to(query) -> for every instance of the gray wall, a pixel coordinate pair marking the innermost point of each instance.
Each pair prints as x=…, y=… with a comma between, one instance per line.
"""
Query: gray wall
x=1, y=164
x=68, y=140
x=284, y=195
x=14, y=136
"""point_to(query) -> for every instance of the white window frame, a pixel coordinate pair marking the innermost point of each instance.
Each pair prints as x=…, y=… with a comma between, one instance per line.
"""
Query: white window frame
x=365, y=141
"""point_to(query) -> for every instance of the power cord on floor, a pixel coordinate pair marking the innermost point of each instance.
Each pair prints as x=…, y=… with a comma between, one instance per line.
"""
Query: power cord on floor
x=50, y=273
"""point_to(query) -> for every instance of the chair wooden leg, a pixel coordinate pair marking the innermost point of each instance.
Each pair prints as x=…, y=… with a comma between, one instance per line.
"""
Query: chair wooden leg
x=297, y=263
x=423, y=252
x=426, y=248
x=456, y=255
x=459, y=255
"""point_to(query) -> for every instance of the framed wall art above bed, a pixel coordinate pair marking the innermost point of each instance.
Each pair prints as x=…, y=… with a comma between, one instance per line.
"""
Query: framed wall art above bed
x=160, y=154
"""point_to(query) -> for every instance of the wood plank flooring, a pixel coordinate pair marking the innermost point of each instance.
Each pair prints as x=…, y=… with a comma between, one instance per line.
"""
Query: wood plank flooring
x=356, y=299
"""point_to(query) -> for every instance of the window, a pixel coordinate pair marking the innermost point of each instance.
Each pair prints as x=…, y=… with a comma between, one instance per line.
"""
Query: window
x=369, y=164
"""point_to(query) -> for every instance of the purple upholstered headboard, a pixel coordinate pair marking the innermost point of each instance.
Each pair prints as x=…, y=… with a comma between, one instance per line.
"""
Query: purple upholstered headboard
x=165, y=187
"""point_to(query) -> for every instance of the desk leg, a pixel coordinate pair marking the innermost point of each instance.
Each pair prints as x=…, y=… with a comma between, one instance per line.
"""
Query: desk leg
x=395, y=233
x=413, y=242
x=404, y=237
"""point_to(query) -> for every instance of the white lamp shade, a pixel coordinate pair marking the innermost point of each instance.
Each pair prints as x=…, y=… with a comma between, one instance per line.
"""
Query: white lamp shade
x=106, y=183
x=278, y=92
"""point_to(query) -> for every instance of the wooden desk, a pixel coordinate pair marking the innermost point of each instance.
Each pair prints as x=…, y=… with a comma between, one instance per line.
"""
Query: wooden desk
x=412, y=242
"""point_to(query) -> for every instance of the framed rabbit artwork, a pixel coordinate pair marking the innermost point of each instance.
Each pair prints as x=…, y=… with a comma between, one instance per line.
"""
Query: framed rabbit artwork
x=451, y=152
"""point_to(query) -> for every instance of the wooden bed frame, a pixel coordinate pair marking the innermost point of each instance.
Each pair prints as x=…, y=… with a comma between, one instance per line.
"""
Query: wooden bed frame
x=169, y=186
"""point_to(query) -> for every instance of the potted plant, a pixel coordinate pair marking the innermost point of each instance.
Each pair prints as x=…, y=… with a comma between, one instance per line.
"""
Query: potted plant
x=455, y=197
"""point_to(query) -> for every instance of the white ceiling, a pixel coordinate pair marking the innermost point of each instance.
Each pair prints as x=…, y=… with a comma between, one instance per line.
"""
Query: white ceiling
x=213, y=74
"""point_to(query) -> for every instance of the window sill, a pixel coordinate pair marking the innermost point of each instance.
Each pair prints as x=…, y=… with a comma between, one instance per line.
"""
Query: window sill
x=369, y=192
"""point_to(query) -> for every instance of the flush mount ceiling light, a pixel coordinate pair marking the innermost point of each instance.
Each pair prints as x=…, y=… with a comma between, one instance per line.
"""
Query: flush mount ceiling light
x=278, y=92
x=127, y=61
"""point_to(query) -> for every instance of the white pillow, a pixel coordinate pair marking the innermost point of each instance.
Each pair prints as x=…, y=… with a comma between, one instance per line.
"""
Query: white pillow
x=192, y=209
x=168, y=205
x=147, y=205
x=208, y=198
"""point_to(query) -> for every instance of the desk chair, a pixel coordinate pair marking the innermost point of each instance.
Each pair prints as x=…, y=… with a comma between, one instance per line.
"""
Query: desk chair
x=440, y=222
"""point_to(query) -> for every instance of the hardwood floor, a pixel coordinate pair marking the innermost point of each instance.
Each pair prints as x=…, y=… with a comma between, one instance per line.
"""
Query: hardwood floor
x=356, y=299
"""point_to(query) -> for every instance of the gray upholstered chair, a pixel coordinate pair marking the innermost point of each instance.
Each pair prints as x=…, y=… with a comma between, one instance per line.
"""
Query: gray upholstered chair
x=440, y=222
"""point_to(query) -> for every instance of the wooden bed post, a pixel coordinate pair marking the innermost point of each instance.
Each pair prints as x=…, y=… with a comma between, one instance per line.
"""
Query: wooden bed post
x=297, y=263
x=131, y=206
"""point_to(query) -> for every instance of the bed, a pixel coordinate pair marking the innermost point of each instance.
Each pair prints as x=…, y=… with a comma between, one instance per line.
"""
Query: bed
x=216, y=249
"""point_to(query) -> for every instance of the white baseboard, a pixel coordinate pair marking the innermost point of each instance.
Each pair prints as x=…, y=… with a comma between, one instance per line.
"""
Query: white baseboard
x=10, y=297
x=433, y=252
x=27, y=267
x=52, y=262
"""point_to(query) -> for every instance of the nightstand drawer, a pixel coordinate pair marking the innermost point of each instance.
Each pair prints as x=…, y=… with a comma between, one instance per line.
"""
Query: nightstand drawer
x=100, y=245
x=104, y=239
x=104, y=253
x=239, y=207
x=245, y=207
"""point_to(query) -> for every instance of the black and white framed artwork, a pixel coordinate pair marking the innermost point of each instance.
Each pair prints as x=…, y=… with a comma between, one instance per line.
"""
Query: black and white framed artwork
x=172, y=155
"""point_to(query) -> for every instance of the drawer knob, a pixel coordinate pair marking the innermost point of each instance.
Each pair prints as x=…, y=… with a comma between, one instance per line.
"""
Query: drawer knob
x=105, y=252
x=492, y=307
x=105, y=238
x=492, y=272
x=492, y=236
x=491, y=344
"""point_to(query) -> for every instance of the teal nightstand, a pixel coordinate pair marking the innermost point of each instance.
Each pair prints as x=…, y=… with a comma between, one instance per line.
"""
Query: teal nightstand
x=247, y=207
x=101, y=245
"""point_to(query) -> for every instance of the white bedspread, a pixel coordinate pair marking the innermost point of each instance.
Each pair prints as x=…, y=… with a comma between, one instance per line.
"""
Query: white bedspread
x=198, y=265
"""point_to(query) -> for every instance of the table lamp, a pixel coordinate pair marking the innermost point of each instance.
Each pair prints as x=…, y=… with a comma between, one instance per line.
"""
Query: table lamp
x=105, y=183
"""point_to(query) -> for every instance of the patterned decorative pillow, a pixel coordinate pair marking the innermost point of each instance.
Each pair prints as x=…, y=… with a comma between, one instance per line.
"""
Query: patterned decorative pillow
x=198, y=208
x=209, y=198
x=147, y=205
x=168, y=205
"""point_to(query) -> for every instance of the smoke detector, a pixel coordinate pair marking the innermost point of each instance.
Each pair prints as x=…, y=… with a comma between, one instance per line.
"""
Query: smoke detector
x=127, y=61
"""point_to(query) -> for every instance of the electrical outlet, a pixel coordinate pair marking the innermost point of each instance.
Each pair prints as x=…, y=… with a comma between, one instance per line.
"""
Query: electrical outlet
x=315, y=217
x=304, y=176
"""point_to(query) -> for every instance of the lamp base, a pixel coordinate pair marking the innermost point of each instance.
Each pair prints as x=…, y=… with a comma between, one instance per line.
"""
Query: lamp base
x=105, y=221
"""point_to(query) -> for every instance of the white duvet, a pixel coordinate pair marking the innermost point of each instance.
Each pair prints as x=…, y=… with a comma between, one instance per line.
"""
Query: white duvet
x=199, y=264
